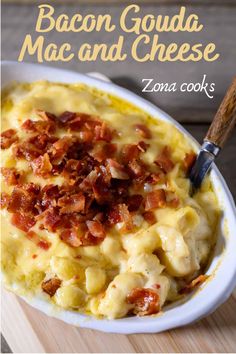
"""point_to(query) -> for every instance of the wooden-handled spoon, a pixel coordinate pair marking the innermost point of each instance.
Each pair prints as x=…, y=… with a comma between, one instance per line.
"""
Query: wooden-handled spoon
x=217, y=135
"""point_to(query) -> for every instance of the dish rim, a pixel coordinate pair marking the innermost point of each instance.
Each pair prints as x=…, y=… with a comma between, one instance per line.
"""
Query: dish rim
x=161, y=322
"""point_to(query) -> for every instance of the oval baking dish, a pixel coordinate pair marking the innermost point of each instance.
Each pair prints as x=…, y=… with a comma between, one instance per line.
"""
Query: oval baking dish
x=223, y=265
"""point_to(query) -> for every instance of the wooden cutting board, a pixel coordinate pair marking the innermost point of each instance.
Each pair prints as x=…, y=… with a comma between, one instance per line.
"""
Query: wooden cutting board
x=29, y=331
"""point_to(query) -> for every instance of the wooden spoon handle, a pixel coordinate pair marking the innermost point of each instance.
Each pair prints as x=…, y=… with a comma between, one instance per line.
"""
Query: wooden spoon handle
x=225, y=118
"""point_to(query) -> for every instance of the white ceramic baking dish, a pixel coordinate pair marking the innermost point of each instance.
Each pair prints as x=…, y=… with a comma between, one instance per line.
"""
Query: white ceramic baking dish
x=223, y=265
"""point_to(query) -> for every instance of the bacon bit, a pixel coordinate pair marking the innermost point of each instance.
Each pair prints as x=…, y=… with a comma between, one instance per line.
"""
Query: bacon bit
x=155, y=199
x=46, y=115
x=194, y=284
x=188, y=162
x=104, y=151
x=150, y=217
x=134, y=202
x=143, y=130
x=86, y=136
x=22, y=222
x=99, y=217
x=137, y=169
x=71, y=166
x=142, y=146
x=26, y=150
x=42, y=142
x=154, y=178
x=89, y=181
x=34, y=256
x=146, y=301
x=51, y=219
x=70, y=237
x=89, y=240
x=23, y=199
x=11, y=175
x=121, y=186
x=66, y=116
x=42, y=165
x=80, y=120
x=44, y=245
x=156, y=286
x=130, y=152
x=101, y=191
x=72, y=203
x=163, y=160
x=39, y=126
x=120, y=213
x=116, y=170
x=4, y=200
x=50, y=286
x=95, y=228
x=102, y=132
x=8, y=137
x=60, y=148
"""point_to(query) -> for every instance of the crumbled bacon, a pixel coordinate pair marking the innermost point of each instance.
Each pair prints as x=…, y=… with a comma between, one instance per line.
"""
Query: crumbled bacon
x=146, y=301
x=134, y=202
x=50, y=286
x=42, y=165
x=26, y=150
x=142, y=146
x=89, y=240
x=102, y=132
x=189, y=160
x=46, y=115
x=164, y=161
x=50, y=218
x=103, y=184
x=66, y=116
x=59, y=149
x=22, y=221
x=39, y=126
x=11, y=175
x=23, y=198
x=70, y=237
x=154, y=178
x=120, y=213
x=74, y=203
x=155, y=199
x=143, y=130
x=103, y=151
x=8, y=137
x=43, y=142
x=194, y=284
x=137, y=169
x=130, y=152
x=150, y=217
x=116, y=169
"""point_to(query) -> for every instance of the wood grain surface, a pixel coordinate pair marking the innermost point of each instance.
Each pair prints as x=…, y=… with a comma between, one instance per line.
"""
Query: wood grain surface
x=224, y=121
x=29, y=331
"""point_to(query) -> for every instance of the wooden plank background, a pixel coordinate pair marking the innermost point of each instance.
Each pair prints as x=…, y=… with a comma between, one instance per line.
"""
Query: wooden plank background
x=30, y=331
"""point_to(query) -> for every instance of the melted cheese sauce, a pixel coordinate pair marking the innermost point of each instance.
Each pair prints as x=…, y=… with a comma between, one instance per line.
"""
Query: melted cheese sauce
x=97, y=279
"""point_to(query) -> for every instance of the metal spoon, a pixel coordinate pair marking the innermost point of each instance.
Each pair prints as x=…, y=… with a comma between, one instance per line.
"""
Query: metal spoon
x=219, y=131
